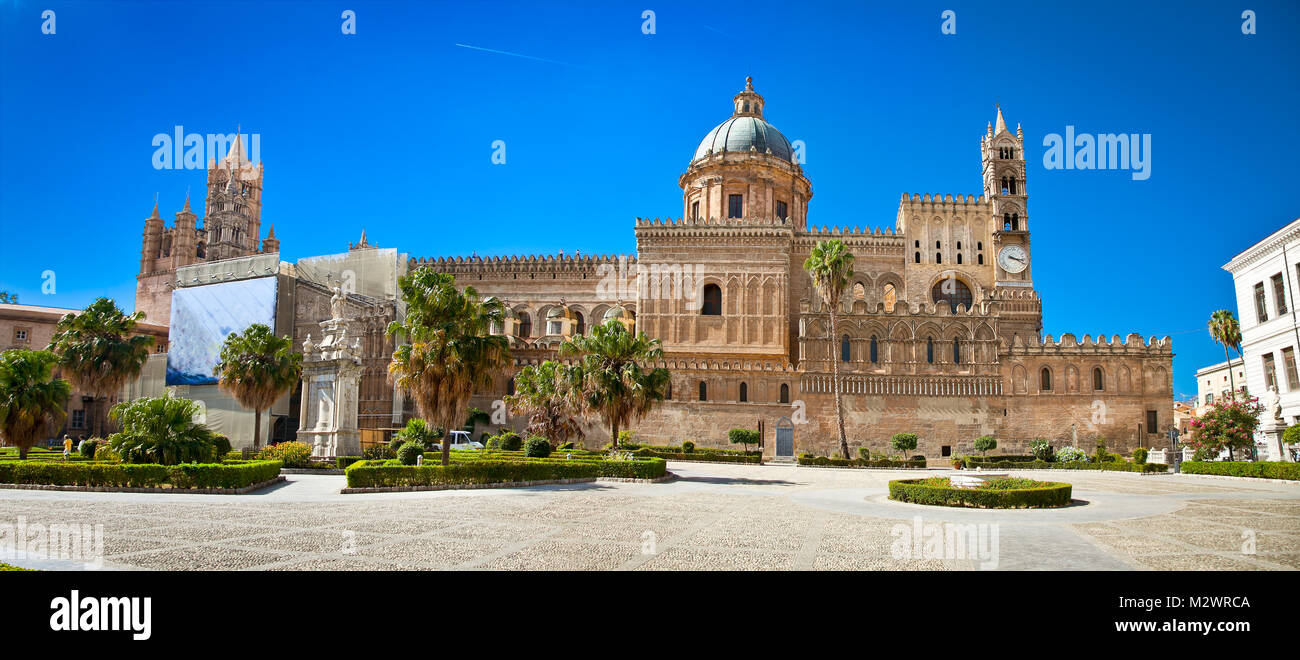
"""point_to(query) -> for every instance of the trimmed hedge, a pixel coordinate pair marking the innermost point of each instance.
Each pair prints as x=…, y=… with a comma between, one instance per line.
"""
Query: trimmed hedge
x=807, y=459
x=1121, y=466
x=368, y=474
x=1049, y=494
x=144, y=475
x=1260, y=469
x=1008, y=458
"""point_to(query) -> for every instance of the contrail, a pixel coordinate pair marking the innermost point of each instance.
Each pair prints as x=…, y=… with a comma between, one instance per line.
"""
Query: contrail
x=527, y=57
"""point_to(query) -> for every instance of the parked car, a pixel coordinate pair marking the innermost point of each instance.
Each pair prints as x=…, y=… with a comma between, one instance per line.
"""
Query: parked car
x=460, y=441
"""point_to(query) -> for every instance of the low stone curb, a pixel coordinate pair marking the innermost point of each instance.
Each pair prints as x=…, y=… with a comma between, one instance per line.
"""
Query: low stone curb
x=1067, y=470
x=687, y=460
x=1234, y=478
x=509, y=484
x=311, y=471
x=115, y=489
x=861, y=467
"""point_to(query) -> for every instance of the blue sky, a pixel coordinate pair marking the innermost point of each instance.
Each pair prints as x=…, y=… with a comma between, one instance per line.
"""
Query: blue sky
x=391, y=129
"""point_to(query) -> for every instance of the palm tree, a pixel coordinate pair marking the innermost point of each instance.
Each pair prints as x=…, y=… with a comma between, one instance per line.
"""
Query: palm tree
x=831, y=267
x=418, y=431
x=448, y=352
x=550, y=395
x=612, y=379
x=1225, y=330
x=32, y=399
x=98, y=352
x=162, y=430
x=257, y=368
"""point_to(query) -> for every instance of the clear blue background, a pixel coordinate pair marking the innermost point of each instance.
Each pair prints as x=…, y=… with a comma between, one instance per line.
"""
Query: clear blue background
x=391, y=129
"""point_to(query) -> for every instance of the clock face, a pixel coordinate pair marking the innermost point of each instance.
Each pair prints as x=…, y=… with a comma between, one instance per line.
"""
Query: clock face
x=1013, y=259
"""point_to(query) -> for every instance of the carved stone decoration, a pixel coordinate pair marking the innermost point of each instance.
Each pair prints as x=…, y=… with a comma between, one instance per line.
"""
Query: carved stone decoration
x=331, y=377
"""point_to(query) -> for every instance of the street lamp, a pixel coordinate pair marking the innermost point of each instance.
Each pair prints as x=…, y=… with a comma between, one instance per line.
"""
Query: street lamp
x=1177, y=455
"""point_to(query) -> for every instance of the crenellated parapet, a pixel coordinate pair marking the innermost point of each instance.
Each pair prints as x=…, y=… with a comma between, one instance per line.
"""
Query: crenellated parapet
x=926, y=206
x=1068, y=344
x=578, y=265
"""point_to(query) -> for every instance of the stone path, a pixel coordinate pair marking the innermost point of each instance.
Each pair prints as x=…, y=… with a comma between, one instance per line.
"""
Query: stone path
x=713, y=517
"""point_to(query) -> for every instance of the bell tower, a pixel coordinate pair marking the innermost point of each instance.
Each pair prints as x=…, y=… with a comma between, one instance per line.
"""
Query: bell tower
x=234, y=204
x=1003, y=165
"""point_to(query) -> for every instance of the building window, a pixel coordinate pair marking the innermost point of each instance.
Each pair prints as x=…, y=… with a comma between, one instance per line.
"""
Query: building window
x=744, y=392
x=1270, y=373
x=78, y=419
x=782, y=211
x=581, y=323
x=1098, y=379
x=1153, y=422
x=20, y=335
x=1209, y=398
x=785, y=393
x=712, y=300
x=875, y=355
x=669, y=396
x=1288, y=362
x=958, y=258
x=929, y=350
x=945, y=450
x=1279, y=294
x=735, y=206
x=704, y=391
x=938, y=258
x=980, y=258
x=695, y=210
x=916, y=258
x=1261, y=310
x=525, y=325
x=510, y=386
x=956, y=350
x=890, y=296
x=859, y=291
x=844, y=348
x=1045, y=380
x=952, y=291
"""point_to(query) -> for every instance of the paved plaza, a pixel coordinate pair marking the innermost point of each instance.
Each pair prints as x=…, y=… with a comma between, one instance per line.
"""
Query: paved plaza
x=734, y=517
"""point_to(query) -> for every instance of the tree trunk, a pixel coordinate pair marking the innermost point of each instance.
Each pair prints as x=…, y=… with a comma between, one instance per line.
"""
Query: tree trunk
x=835, y=386
x=1232, y=382
x=22, y=453
x=446, y=443
x=613, y=433
x=257, y=429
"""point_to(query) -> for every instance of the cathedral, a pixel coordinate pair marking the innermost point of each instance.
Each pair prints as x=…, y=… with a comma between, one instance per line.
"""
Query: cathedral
x=939, y=333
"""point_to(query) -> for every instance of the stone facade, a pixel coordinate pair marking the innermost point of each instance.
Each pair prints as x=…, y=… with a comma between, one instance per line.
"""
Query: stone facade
x=939, y=333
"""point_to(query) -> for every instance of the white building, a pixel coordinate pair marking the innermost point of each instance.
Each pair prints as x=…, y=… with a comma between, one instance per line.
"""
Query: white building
x=1265, y=281
x=1213, y=383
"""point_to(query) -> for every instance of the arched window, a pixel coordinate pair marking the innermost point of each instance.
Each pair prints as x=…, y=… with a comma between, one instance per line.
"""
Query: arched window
x=859, y=291
x=1006, y=222
x=844, y=348
x=785, y=393
x=704, y=391
x=510, y=386
x=581, y=323
x=929, y=349
x=890, y=297
x=1015, y=222
x=956, y=350
x=916, y=258
x=1045, y=380
x=938, y=257
x=958, y=257
x=981, y=259
x=1098, y=379
x=525, y=325
x=712, y=300
x=952, y=291
x=669, y=396
x=875, y=355
x=744, y=392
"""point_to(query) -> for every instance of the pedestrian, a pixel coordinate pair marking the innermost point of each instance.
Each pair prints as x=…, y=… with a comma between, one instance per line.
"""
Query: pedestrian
x=67, y=446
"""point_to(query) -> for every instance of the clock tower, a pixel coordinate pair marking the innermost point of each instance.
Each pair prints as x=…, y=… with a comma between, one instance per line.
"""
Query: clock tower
x=1003, y=161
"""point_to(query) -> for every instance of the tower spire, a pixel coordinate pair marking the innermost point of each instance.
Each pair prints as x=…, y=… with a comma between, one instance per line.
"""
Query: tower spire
x=1001, y=123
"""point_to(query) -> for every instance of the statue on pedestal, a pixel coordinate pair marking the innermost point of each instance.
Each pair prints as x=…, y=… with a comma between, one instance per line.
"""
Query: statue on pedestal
x=336, y=303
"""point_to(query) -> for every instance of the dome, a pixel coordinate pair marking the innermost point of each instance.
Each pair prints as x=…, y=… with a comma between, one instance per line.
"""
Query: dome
x=555, y=313
x=738, y=134
x=615, y=312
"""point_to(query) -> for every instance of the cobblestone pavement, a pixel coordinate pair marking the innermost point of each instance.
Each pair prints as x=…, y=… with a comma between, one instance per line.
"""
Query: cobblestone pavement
x=711, y=517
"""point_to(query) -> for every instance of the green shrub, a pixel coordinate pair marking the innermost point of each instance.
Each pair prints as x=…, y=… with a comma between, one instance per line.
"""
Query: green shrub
x=1015, y=494
x=161, y=430
x=537, y=447
x=1140, y=455
x=1291, y=435
x=87, y=447
x=418, y=431
x=510, y=441
x=1071, y=455
x=410, y=452
x=129, y=475
x=688, y=447
x=1259, y=469
x=567, y=445
x=984, y=443
x=222, y=444
x=809, y=459
x=1107, y=466
x=378, y=453
x=624, y=437
x=105, y=454
x=903, y=442
x=1042, y=450
x=342, y=462
x=291, y=454
x=367, y=474
x=745, y=437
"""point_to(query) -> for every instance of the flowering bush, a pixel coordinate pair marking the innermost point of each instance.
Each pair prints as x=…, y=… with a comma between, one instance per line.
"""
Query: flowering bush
x=1042, y=450
x=1071, y=455
x=1226, y=425
x=292, y=454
